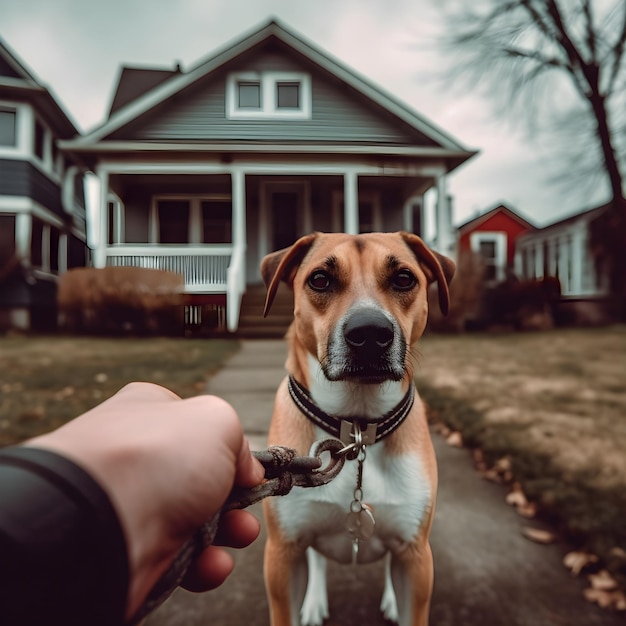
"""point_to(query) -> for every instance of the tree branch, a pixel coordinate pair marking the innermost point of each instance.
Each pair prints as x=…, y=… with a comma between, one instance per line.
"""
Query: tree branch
x=618, y=56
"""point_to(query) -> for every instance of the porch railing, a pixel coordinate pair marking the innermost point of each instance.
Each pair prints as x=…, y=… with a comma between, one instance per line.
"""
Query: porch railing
x=204, y=268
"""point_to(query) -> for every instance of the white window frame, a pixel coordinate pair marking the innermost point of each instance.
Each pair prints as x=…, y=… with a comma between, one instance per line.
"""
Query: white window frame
x=268, y=82
x=23, y=131
x=500, y=240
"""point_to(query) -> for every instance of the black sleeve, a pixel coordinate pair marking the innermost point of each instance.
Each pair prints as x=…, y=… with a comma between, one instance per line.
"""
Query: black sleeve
x=63, y=556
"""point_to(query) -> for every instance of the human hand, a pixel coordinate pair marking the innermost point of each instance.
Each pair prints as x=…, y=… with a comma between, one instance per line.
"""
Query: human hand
x=168, y=465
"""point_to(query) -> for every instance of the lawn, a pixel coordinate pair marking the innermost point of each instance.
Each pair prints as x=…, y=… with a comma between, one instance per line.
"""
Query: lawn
x=45, y=381
x=550, y=408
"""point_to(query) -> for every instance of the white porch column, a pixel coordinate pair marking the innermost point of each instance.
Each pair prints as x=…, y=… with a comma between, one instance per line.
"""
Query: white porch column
x=102, y=236
x=351, y=203
x=578, y=253
x=539, y=259
x=238, y=182
x=23, y=230
x=443, y=219
x=564, y=265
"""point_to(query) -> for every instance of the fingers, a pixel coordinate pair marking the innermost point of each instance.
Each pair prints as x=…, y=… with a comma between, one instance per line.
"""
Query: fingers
x=237, y=529
x=209, y=570
x=249, y=472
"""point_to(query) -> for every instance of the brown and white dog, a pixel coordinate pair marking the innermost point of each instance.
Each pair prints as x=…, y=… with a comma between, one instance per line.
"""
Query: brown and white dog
x=360, y=303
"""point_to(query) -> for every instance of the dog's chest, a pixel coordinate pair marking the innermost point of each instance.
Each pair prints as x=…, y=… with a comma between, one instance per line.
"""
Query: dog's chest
x=396, y=489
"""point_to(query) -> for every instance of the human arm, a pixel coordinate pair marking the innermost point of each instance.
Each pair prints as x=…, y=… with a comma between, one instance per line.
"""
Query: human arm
x=167, y=465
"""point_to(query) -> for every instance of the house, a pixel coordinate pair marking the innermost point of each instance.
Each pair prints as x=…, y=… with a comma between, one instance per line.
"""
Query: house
x=205, y=171
x=562, y=249
x=42, y=208
x=494, y=235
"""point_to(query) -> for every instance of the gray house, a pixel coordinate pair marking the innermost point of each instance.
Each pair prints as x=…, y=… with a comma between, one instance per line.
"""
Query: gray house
x=42, y=208
x=205, y=171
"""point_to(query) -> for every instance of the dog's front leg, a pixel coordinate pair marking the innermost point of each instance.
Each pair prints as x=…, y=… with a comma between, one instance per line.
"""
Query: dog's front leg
x=412, y=577
x=285, y=569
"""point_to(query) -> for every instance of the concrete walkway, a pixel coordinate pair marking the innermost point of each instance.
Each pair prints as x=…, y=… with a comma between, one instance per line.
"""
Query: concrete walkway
x=486, y=572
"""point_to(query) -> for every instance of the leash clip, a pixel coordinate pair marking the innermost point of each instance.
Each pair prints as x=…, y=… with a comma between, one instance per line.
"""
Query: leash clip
x=355, y=438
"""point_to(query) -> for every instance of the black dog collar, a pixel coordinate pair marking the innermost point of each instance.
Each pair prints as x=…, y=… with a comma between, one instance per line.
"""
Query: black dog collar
x=341, y=427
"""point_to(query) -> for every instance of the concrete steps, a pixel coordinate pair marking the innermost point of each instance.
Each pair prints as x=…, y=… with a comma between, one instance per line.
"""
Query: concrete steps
x=252, y=324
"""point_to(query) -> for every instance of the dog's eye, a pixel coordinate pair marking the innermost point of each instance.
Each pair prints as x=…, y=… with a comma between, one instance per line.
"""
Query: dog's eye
x=320, y=281
x=403, y=280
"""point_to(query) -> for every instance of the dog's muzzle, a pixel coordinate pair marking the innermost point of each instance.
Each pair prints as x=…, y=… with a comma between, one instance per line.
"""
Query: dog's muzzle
x=368, y=347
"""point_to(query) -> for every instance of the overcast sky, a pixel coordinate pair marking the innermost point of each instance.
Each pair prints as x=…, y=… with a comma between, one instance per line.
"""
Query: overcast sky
x=75, y=47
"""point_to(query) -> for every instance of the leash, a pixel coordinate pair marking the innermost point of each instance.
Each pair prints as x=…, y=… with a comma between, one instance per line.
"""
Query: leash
x=283, y=471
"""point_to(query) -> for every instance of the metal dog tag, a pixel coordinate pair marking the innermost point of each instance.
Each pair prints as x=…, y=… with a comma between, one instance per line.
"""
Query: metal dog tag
x=368, y=436
x=360, y=524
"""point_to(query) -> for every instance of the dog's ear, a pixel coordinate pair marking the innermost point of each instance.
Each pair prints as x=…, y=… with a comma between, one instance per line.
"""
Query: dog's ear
x=438, y=267
x=282, y=265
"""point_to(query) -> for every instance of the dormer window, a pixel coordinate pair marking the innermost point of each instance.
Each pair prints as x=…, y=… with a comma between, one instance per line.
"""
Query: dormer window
x=267, y=95
x=248, y=96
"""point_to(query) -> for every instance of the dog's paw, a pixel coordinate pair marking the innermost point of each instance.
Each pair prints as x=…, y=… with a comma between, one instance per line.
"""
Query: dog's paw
x=314, y=611
x=389, y=605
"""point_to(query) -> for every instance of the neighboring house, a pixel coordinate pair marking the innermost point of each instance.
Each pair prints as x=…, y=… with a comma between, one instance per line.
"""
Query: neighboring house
x=493, y=235
x=205, y=171
x=563, y=250
x=42, y=209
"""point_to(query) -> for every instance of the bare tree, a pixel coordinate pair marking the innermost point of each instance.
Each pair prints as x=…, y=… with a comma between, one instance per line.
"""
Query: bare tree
x=523, y=48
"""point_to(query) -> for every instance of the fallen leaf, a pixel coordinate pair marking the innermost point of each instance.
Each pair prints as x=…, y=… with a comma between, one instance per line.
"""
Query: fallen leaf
x=504, y=464
x=492, y=475
x=455, y=439
x=601, y=598
x=576, y=561
x=602, y=581
x=516, y=496
x=538, y=535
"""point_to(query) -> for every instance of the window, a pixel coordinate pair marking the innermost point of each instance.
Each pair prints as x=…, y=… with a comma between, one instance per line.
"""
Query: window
x=55, y=236
x=7, y=238
x=216, y=221
x=36, y=243
x=288, y=95
x=173, y=221
x=249, y=95
x=266, y=95
x=492, y=247
x=192, y=220
x=487, y=249
x=8, y=128
x=40, y=136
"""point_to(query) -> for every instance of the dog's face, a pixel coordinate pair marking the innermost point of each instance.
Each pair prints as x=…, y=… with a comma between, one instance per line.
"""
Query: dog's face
x=360, y=300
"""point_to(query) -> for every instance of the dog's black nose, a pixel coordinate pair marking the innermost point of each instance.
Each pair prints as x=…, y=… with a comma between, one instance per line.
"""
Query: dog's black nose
x=368, y=332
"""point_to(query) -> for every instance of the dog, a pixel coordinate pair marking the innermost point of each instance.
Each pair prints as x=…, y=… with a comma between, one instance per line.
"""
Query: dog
x=360, y=303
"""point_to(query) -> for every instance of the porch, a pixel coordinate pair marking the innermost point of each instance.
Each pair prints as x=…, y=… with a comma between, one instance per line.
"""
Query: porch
x=214, y=223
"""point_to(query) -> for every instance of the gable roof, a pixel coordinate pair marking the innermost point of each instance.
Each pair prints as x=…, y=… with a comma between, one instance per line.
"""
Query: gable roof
x=475, y=222
x=132, y=108
x=135, y=81
x=16, y=81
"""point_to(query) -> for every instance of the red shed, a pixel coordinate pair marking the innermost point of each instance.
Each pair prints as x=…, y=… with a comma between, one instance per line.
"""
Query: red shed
x=493, y=234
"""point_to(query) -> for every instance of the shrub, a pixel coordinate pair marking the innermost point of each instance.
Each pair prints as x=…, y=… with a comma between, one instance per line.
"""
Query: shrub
x=121, y=299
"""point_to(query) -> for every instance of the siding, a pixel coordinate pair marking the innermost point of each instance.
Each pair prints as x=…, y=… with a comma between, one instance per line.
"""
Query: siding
x=22, y=178
x=338, y=113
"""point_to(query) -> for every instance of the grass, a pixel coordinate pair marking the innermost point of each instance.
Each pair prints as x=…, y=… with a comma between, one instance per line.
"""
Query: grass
x=48, y=380
x=554, y=403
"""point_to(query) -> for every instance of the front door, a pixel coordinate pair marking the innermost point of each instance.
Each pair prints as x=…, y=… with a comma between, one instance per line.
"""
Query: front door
x=284, y=207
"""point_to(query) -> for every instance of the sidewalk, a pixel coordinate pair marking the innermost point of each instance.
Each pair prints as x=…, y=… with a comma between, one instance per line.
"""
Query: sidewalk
x=486, y=572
